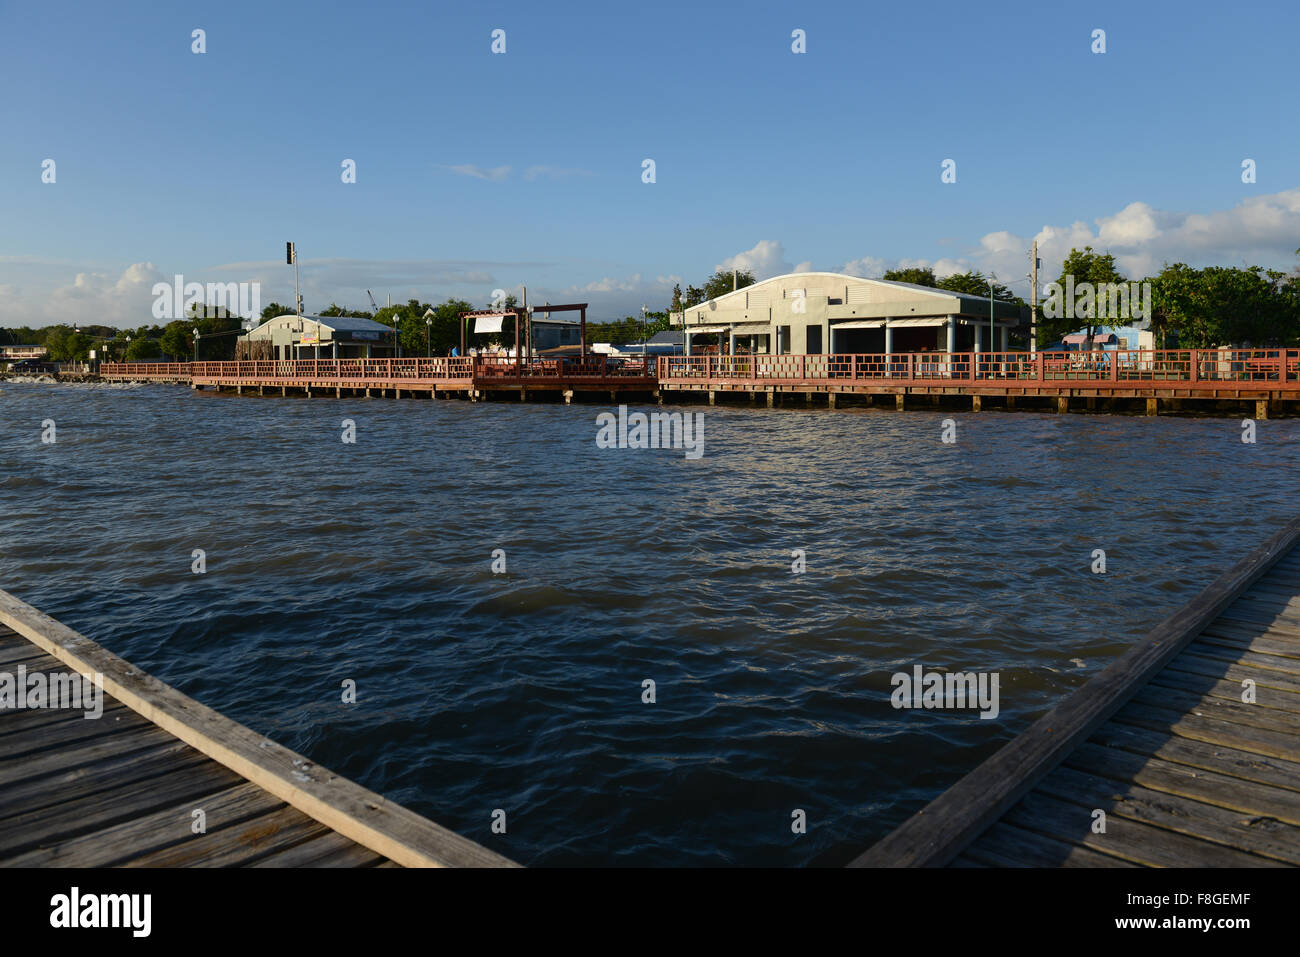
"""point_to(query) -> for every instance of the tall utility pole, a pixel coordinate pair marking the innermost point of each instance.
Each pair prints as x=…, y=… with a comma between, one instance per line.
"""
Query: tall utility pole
x=1033, y=298
x=291, y=259
x=527, y=344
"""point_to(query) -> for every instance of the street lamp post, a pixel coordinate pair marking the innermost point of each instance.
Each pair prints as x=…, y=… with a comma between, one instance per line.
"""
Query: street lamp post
x=992, y=278
x=428, y=336
x=197, y=335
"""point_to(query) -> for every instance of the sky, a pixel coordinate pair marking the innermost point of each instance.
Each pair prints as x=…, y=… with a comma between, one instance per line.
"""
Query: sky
x=478, y=170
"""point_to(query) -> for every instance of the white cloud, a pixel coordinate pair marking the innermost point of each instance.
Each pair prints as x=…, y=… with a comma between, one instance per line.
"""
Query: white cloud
x=496, y=174
x=765, y=260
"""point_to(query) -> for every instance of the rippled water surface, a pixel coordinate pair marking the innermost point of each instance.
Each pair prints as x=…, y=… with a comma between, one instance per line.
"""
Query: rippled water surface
x=523, y=691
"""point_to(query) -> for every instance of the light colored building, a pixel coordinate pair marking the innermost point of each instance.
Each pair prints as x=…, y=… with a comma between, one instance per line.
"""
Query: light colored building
x=823, y=312
x=304, y=337
x=553, y=333
x=14, y=353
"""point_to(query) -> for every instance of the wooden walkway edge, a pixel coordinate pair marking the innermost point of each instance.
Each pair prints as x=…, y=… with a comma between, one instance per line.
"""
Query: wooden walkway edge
x=355, y=813
x=939, y=832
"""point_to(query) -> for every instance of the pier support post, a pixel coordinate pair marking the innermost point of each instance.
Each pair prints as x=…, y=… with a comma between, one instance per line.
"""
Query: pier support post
x=239, y=390
x=613, y=397
x=338, y=392
x=523, y=394
x=1062, y=403
x=1091, y=403
x=830, y=400
x=367, y=393
x=659, y=397
x=568, y=396
x=975, y=404
x=1011, y=403
x=1261, y=408
x=1153, y=406
x=307, y=391
x=807, y=398
x=284, y=391
x=712, y=400
x=900, y=400
x=261, y=390
x=771, y=399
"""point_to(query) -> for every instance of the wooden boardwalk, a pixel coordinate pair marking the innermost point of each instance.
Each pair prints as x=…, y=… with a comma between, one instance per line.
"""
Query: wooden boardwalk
x=1187, y=773
x=122, y=789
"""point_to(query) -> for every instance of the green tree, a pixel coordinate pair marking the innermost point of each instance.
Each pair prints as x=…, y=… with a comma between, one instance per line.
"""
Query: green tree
x=1225, y=305
x=177, y=341
x=917, y=275
x=275, y=309
x=1085, y=266
x=142, y=350
x=723, y=282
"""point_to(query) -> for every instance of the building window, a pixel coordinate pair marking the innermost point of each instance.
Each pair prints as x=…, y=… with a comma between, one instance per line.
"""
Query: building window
x=783, y=340
x=814, y=340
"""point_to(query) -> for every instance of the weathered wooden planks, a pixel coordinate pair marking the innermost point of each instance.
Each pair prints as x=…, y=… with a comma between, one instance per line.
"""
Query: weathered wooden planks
x=123, y=789
x=1165, y=742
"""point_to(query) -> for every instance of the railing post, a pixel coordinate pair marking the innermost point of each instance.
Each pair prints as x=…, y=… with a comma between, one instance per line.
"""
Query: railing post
x=1196, y=365
x=1039, y=367
x=1114, y=366
x=803, y=367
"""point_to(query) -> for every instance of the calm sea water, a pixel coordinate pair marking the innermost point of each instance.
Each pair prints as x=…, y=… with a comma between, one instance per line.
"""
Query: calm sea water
x=523, y=691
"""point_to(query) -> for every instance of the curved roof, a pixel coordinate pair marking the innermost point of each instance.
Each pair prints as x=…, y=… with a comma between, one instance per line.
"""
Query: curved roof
x=841, y=277
x=334, y=323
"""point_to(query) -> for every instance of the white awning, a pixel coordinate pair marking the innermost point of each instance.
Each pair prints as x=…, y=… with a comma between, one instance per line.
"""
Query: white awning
x=858, y=324
x=488, y=323
x=692, y=330
x=752, y=329
x=931, y=321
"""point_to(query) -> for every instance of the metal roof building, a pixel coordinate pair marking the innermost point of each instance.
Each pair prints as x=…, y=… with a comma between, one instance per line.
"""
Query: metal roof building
x=823, y=312
x=332, y=337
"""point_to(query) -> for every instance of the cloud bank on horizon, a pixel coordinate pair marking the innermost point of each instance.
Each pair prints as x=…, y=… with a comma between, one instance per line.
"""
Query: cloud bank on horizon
x=1261, y=230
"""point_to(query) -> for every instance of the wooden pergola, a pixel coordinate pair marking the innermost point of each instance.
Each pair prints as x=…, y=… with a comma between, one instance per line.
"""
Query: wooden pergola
x=579, y=307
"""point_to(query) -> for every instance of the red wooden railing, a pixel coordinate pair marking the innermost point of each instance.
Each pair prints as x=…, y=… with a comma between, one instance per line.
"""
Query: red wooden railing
x=1235, y=366
x=1226, y=367
x=436, y=368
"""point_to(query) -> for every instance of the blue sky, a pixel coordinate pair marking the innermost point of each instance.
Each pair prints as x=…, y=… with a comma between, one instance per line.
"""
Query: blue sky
x=477, y=170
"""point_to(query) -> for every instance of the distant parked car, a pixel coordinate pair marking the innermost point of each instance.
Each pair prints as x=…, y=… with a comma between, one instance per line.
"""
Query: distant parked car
x=32, y=365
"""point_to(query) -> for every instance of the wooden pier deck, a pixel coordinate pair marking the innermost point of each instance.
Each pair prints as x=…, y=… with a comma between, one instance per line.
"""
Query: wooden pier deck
x=121, y=790
x=1188, y=770
x=1261, y=379
x=468, y=377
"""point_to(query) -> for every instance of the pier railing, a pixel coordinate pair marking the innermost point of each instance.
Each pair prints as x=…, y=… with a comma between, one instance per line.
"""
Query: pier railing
x=426, y=369
x=1227, y=366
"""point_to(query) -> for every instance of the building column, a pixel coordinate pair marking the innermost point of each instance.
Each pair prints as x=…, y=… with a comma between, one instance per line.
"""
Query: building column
x=889, y=338
x=687, y=348
x=979, y=338
x=731, y=340
x=952, y=333
x=1006, y=339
